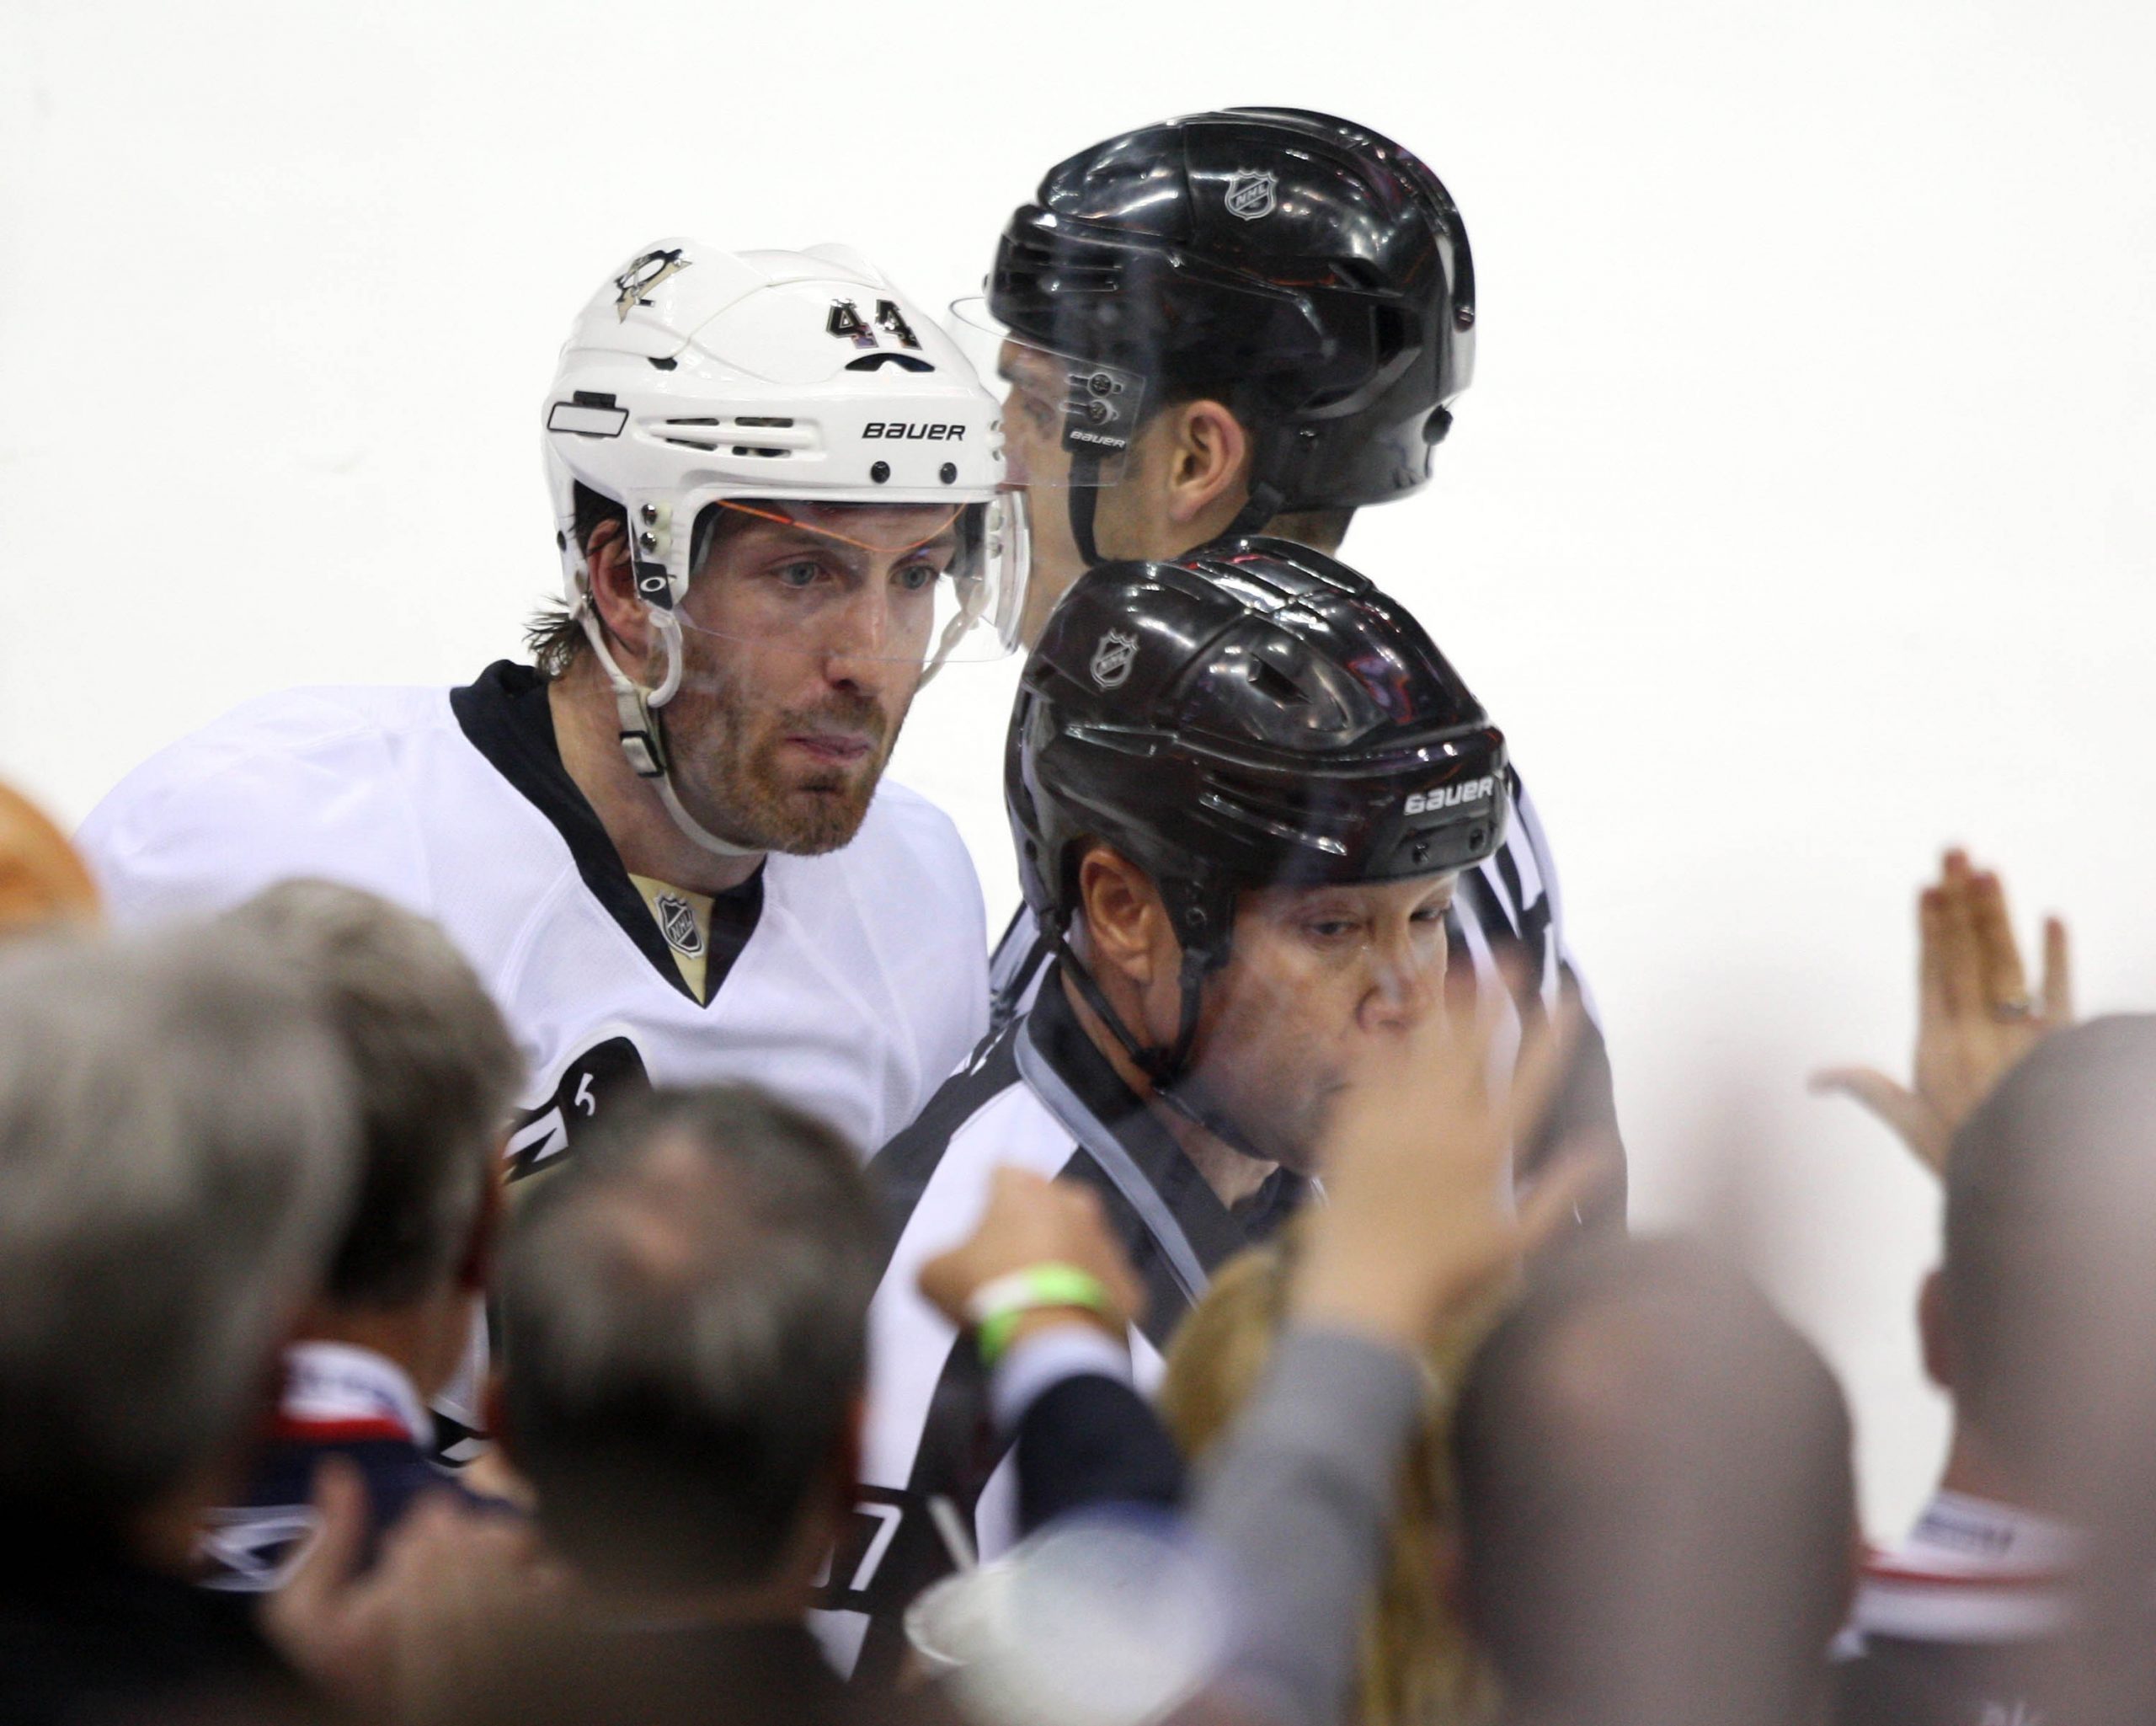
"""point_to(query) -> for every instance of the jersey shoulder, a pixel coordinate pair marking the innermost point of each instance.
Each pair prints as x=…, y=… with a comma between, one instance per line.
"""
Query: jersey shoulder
x=903, y=826
x=304, y=782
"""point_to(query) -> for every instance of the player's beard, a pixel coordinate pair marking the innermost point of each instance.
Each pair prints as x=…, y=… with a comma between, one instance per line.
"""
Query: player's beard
x=729, y=769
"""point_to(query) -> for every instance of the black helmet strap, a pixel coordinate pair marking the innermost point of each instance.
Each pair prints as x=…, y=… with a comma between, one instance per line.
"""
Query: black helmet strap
x=1085, y=485
x=1263, y=505
x=1164, y=1068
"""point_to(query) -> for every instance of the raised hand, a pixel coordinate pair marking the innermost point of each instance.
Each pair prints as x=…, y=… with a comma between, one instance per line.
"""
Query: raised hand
x=1975, y=1016
x=1420, y=1218
x=1032, y=1221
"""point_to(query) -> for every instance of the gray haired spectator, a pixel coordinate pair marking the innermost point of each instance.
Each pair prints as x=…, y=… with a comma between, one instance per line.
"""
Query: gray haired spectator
x=1657, y=1506
x=436, y=1074
x=683, y=1320
x=175, y=1155
x=684, y=1324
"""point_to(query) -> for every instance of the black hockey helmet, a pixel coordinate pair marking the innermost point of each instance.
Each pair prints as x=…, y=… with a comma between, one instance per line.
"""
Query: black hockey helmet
x=1308, y=271
x=1253, y=714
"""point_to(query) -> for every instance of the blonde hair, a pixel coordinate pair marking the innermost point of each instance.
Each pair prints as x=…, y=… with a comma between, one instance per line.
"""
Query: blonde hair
x=1417, y=1666
x=43, y=879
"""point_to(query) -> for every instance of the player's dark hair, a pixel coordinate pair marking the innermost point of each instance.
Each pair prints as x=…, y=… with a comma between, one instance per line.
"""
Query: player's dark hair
x=2050, y=1201
x=684, y=1315
x=554, y=638
x=1656, y=1500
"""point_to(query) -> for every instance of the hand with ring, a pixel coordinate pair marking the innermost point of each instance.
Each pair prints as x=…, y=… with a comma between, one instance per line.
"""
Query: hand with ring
x=1976, y=1017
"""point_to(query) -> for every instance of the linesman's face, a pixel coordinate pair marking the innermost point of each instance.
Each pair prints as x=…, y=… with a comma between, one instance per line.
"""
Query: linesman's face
x=1316, y=975
x=1180, y=481
x=1137, y=512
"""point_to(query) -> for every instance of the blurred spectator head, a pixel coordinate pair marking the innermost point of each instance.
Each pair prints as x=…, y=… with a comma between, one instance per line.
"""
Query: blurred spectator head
x=43, y=878
x=1417, y=1662
x=2050, y=1209
x=684, y=1314
x=175, y=1154
x=436, y=1073
x=1656, y=1497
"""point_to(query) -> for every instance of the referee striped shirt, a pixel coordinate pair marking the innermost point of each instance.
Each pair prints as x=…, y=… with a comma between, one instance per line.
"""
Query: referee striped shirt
x=1038, y=1094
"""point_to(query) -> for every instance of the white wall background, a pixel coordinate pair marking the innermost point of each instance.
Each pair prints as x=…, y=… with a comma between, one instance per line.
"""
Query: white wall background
x=1801, y=516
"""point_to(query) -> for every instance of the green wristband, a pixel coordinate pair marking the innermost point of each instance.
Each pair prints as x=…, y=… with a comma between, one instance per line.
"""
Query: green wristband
x=996, y=1307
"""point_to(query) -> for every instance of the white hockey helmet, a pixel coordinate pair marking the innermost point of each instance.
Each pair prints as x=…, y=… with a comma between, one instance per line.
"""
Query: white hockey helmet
x=696, y=377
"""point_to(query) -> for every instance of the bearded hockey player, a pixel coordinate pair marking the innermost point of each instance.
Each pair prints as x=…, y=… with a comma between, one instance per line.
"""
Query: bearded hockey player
x=664, y=846
x=1244, y=786
x=1252, y=320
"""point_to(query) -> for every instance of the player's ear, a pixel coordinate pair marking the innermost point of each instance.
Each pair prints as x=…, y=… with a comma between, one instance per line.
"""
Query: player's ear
x=1935, y=1330
x=612, y=571
x=1207, y=456
x=1125, y=921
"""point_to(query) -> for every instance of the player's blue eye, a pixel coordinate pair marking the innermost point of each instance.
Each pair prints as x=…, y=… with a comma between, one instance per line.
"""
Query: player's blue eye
x=798, y=575
x=914, y=577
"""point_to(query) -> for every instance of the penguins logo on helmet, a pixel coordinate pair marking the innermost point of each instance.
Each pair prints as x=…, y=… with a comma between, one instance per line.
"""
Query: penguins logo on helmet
x=638, y=280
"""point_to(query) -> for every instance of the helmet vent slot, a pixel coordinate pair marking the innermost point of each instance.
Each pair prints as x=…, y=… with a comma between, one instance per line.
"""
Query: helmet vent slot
x=708, y=432
x=1271, y=681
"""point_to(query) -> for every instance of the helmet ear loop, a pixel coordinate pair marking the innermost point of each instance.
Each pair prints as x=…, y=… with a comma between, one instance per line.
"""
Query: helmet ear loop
x=968, y=614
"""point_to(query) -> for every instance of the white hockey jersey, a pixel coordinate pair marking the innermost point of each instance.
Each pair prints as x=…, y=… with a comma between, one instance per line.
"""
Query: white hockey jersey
x=849, y=984
x=1039, y=1095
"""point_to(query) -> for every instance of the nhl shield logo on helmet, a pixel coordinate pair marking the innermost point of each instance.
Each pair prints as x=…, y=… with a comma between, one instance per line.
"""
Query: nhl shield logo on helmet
x=1250, y=194
x=1113, y=658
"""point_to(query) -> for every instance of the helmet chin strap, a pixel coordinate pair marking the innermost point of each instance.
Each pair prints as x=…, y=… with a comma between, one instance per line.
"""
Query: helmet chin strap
x=1164, y=1069
x=642, y=733
x=1263, y=505
x=1084, y=488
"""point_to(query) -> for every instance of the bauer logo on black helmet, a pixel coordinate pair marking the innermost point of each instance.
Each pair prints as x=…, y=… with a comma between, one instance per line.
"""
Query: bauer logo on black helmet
x=1429, y=802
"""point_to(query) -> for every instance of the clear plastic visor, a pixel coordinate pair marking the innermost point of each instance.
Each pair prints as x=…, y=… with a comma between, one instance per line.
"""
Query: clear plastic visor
x=920, y=584
x=1067, y=420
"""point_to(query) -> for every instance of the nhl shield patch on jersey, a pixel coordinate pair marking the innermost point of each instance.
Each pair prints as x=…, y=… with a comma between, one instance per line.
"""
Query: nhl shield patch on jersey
x=677, y=922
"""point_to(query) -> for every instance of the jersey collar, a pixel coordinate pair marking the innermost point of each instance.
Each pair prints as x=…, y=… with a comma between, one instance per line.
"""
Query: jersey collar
x=1973, y=1570
x=504, y=714
x=335, y=1393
